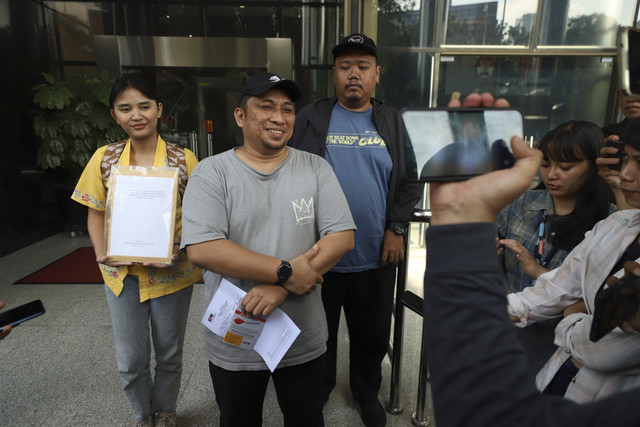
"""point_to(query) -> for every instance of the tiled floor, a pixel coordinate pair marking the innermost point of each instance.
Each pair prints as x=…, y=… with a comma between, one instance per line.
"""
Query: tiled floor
x=59, y=369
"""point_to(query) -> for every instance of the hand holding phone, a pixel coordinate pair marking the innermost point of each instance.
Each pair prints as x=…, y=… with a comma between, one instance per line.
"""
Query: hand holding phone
x=619, y=145
x=7, y=329
x=20, y=314
x=615, y=304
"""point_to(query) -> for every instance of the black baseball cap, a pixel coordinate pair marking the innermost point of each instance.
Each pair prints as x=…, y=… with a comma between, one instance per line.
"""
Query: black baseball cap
x=260, y=83
x=355, y=41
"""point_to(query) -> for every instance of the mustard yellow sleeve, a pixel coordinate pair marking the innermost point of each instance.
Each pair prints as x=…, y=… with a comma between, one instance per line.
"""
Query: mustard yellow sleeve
x=90, y=190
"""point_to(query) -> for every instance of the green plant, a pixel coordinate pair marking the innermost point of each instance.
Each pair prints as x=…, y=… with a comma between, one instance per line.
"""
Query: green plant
x=72, y=119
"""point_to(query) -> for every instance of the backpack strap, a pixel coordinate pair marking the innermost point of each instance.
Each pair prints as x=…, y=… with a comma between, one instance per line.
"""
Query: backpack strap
x=175, y=156
x=111, y=156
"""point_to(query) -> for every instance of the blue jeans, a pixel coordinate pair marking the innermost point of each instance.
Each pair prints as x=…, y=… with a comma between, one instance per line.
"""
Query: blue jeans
x=131, y=319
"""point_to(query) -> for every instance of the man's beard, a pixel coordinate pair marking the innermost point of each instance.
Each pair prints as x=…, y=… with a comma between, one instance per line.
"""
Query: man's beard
x=271, y=147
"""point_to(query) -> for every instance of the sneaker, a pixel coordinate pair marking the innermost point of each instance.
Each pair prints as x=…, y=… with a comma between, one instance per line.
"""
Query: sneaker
x=147, y=423
x=372, y=413
x=165, y=419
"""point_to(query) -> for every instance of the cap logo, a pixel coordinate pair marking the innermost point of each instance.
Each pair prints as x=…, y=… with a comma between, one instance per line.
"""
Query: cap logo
x=356, y=39
x=274, y=78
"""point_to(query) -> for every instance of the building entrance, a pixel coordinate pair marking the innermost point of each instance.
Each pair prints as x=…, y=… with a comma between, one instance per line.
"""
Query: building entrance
x=198, y=80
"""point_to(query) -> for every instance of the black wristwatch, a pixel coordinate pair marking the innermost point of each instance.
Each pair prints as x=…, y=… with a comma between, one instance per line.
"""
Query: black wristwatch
x=399, y=228
x=284, y=272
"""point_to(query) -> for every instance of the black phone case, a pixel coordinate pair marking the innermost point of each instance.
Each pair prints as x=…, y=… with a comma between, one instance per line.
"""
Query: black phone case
x=620, y=155
x=613, y=306
x=22, y=313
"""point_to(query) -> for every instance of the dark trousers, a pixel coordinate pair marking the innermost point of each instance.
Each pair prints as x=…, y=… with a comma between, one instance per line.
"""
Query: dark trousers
x=561, y=380
x=240, y=394
x=367, y=299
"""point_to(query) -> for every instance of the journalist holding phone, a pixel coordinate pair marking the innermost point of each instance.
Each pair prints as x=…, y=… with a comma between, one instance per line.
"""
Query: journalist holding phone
x=479, y=372
x=543, y=225
x=580, y=369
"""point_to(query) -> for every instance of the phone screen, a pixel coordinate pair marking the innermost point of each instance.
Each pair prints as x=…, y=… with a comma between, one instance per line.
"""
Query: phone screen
x=17, y=315
x=456, y=144
x=629, y=60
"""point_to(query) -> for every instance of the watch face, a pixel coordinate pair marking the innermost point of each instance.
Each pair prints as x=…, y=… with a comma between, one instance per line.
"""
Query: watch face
x=398, y=228
x=284, y=272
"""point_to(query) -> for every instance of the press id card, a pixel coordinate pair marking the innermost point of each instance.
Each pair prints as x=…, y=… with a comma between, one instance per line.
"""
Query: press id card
x=243, y=330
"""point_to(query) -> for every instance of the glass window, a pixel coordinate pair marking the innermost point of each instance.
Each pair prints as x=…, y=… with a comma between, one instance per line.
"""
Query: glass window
x=404, y=23
x=190, y=98
x=505, y=22
x=584, y=23
x=549, y=90
x=405, y=79
x=177, y=20
x=241, y=21
x=313, y=31
x=315, y=83
x=5, y=14
x=76, y=24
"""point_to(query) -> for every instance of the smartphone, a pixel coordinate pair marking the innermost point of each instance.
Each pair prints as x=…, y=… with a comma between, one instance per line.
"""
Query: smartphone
x=455, y=144
x=620, y=154
x=628, y=44
x=17, y=315
x=614, y=305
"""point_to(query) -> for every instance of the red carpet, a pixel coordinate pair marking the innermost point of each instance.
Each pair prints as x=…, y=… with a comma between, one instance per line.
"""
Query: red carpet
x=78, y=267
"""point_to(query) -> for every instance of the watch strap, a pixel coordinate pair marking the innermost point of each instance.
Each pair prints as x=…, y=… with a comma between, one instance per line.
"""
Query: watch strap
x=398, y=228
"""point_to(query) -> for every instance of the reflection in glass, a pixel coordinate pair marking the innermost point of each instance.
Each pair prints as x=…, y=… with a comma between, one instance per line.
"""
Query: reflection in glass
x=405, y=79
x=76, y=24
x=549, y=90
x=235, y=21
x=505, y=22
x=584, y=23
x=153, y=19
x=313, y=39
x=313, y=30
x=405, y=23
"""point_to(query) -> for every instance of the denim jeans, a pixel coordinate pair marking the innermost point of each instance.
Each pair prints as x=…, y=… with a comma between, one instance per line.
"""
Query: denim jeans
x=167, y=316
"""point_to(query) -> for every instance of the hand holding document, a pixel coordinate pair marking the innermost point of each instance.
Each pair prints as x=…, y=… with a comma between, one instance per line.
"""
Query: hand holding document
x=278, y=332
x=140, y=214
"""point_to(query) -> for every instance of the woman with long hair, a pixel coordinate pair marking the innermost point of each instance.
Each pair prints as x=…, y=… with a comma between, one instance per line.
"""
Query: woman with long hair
x=539, y=229
x=149, y=303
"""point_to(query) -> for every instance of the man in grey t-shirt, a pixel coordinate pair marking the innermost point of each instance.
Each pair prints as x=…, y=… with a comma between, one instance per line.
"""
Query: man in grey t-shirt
x=271, y=220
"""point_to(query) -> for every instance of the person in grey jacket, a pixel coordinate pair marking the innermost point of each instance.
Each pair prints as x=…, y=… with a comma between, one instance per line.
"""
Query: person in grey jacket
x=358, y=135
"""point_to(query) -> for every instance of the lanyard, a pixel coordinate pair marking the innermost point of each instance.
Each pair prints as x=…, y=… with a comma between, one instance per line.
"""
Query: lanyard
x=539, y=249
